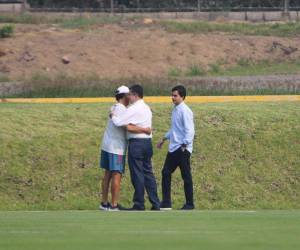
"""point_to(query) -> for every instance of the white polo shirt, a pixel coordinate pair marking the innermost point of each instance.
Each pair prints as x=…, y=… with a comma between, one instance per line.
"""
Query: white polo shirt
x=114, y=139
x=139, y=114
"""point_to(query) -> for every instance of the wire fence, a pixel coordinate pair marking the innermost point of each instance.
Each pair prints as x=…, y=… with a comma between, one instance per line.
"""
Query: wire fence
x=124, y=6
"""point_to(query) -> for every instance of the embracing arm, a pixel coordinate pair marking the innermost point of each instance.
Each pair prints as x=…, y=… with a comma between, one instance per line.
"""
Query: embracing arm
x=138, y=130
x=123, y=119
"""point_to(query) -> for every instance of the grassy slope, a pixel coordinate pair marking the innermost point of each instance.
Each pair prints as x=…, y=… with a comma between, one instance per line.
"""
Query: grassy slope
x=246, y=155
x=88, y=22
x=190, y=230
x=260, y=29
x=241, y=69
x=86, y=86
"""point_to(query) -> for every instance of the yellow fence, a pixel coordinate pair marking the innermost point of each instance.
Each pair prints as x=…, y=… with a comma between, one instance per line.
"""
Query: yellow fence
x=159, y=99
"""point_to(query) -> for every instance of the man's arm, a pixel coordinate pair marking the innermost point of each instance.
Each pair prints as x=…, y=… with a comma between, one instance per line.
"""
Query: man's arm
x=123, y=119
x=189, y=130
x=138, y=130
x=166, y=137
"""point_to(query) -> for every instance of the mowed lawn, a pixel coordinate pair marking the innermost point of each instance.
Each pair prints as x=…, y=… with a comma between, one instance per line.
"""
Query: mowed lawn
x=226, y=230
x=246, y=156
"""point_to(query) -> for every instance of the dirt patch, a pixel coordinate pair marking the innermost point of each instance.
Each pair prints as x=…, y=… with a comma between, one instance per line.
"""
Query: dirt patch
x=116, y=51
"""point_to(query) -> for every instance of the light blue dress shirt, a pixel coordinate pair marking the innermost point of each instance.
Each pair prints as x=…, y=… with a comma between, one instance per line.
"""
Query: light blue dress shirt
x=182, y=128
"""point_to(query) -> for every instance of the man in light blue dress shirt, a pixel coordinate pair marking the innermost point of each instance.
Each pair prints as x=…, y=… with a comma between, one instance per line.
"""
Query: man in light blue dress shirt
x=181, y=136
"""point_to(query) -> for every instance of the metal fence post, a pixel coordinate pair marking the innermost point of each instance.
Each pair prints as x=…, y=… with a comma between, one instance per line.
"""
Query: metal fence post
x=286, y=12
x=286, y=6
x=138, y=5
x=112, y=7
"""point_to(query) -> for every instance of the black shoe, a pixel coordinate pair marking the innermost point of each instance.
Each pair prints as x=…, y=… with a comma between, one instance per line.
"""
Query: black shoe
x=136, y=208
x=155, y=209
x=165, y=207
x=121, y=208
x=188, y=207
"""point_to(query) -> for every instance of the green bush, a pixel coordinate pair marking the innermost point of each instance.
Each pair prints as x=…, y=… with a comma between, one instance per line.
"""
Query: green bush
x=214, y=68
x=195, y=70
x=174, y=72
x=3, y=78
x=6, y=31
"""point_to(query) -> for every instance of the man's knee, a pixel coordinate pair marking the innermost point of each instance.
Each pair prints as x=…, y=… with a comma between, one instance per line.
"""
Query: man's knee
x=186, y=175
x=107, y=175
x=166, y=172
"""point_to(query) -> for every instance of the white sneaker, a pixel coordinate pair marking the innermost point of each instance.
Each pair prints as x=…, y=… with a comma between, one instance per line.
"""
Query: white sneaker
x=104, y=207
x=165, y=209
x=114, y=209
x=117, y=208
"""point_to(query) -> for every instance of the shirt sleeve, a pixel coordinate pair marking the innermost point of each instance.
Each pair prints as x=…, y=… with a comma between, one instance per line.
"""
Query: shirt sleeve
x=118, y=110
x=124, y=118
x=167, y=135
x=189, y=130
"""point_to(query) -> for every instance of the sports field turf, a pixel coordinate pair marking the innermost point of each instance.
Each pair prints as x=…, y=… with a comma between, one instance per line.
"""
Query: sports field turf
x=232, y=230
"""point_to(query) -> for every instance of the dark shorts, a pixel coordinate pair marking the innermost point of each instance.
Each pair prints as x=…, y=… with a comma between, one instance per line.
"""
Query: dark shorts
x=112, y=162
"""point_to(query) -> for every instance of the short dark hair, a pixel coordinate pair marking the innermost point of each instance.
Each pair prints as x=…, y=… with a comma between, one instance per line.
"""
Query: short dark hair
x=181, y=90
x=119, y=96
x=137, y=90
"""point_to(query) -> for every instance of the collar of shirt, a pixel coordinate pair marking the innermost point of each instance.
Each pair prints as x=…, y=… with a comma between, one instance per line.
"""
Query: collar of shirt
x=140, y=101
x=179, y=106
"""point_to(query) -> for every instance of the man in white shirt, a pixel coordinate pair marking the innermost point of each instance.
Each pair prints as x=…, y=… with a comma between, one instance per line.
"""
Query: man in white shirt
x=181, y=136
x=139, y=149
x=113, y=151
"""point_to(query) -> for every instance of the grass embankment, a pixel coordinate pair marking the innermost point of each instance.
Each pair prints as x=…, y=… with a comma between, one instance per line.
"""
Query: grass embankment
x=64, y=85
x=246, y=156
x=87, y=21
x=244, y=67
x=268, y=230
x=252, y=29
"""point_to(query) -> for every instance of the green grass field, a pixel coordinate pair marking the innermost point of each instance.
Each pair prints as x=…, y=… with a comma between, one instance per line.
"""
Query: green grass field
x=246, y=156
x=227, y=230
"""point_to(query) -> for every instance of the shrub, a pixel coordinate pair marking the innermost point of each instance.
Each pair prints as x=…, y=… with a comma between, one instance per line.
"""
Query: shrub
x=6, y=31
x=195, y=70
x=174, y=72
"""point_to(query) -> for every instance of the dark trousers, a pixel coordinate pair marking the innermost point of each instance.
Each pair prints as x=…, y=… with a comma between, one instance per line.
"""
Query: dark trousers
x=173, y=160
x=139, y=160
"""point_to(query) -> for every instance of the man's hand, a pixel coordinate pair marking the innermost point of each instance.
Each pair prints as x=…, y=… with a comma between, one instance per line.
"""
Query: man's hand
x=183, y=147
x=161, y=143
x=148, y=131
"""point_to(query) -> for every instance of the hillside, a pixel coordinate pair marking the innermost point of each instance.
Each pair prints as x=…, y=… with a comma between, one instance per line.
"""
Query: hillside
x=246, y=156
x=128, y=48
